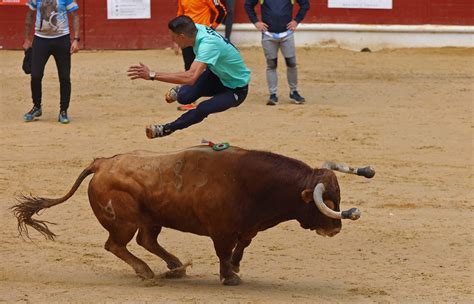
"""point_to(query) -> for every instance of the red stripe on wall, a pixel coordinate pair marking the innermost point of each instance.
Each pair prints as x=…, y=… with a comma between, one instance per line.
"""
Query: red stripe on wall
x=13, y=2
x=443, y=12
x=100, y=33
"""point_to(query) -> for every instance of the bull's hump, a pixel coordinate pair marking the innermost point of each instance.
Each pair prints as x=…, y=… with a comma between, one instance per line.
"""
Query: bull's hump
x=171, y=170
x=143, y=158
x=207, y=149
x=196, y=149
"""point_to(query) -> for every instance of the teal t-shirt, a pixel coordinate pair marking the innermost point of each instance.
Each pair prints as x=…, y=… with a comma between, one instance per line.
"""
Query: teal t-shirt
x=221, y=57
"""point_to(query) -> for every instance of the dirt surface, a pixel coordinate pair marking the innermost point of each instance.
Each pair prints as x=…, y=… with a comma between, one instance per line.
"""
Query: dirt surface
x=406, y=112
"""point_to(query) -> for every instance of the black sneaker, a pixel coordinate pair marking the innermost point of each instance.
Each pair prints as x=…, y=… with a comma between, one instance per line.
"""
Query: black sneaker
x=272, y=100
x=62, y=118
x=296, y=98
x=32, y=114
x=153, y=131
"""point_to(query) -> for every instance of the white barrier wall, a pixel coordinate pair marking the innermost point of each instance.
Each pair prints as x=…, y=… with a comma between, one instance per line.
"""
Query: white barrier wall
x=356, y=36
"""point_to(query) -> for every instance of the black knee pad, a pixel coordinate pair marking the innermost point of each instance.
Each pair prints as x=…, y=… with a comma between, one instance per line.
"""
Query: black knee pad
x=290, y=62
x=272, y=63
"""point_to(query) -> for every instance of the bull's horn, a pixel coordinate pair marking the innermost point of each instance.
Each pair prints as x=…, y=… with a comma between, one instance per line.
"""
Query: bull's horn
x=352, y=213
x=368, y=172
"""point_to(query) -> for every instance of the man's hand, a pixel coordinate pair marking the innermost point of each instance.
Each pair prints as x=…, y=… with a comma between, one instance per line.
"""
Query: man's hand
x=262, y=27
x=139, y=71
x=26, y=44
x=292, y=25
x=74, y=47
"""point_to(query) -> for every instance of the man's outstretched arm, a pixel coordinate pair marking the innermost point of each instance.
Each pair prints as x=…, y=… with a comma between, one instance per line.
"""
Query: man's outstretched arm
x=188, y=77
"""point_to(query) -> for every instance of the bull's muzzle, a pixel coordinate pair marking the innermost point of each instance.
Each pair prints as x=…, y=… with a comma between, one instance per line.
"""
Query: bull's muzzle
x=352, y=213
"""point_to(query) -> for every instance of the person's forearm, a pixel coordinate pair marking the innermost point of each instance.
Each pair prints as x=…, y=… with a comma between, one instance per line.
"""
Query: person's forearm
x=220, y=13
x=76, y=25
x=250, y=9
x=187, y=77
x=28, y=23
x=304, y=7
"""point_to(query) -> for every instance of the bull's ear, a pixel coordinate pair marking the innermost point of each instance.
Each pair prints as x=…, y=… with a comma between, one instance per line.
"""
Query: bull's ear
x=307, y=195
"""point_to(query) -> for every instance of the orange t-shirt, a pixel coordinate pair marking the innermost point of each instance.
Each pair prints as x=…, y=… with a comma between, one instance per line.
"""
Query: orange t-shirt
x=206, y=12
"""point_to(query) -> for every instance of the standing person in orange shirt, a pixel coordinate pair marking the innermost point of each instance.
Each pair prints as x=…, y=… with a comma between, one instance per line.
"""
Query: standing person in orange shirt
x=210, y=13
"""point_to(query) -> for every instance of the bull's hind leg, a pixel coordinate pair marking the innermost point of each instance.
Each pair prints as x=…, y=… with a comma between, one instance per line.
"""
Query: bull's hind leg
x=147, y=238
x=117, y=244
x=117, y=213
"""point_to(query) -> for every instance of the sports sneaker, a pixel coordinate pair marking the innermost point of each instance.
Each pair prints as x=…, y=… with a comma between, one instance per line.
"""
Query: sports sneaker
x=187, y=107
x=172, y=95
x=153, y=131
x=62, y=118
x=296, y=98
x=272, y=100
x=33, y=113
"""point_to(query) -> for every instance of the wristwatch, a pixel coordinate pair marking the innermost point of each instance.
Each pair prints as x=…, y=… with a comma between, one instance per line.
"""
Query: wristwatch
x=152, y=75
x=77, y=39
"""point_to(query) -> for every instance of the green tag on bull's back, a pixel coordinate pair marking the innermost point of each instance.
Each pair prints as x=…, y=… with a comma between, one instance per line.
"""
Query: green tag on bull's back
x=220, y=146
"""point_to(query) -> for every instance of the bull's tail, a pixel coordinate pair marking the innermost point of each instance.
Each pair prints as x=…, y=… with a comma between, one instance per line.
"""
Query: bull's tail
x=29, y=205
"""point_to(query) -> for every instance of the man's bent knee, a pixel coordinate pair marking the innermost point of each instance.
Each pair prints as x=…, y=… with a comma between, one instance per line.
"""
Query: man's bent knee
x=185, y=95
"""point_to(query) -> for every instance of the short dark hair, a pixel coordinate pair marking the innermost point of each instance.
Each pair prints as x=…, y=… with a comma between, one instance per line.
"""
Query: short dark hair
x=183, y=25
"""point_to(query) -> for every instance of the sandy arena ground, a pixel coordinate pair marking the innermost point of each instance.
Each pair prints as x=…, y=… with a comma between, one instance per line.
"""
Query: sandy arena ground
x=406, y=112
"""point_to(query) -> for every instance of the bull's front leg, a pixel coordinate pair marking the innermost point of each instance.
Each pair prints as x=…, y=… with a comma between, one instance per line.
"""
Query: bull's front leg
x=223, y=249
x=238, y=253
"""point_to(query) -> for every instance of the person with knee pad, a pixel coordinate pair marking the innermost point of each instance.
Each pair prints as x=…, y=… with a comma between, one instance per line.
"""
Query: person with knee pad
x=278, y=26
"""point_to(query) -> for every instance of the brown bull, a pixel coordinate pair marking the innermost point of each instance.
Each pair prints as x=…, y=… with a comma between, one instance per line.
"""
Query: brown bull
x=228, y=195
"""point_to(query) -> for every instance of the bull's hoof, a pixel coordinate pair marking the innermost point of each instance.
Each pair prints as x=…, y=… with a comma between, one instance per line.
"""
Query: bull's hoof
x=234, y=280
x=146, y=274
x=176, y=273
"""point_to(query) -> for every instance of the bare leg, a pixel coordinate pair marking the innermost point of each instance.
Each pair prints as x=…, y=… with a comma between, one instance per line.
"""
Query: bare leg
x=224, y=252
x=147, y=238
x=117, y=244
x=238, y=254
